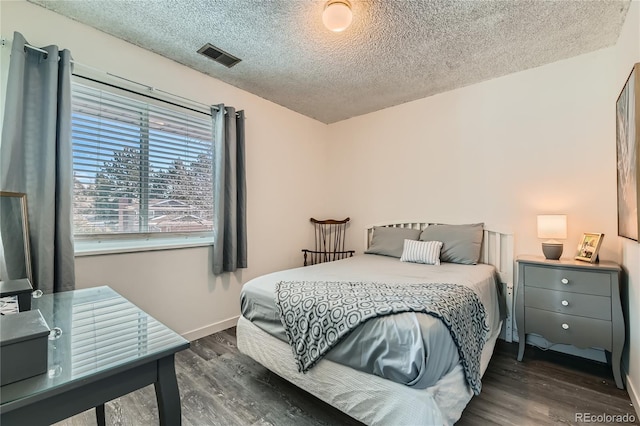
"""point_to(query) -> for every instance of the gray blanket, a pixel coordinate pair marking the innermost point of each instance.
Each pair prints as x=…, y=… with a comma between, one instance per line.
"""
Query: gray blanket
x=316, y=315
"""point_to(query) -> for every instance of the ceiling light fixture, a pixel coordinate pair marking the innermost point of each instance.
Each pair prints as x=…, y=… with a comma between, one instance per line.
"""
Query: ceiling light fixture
x=337, y=15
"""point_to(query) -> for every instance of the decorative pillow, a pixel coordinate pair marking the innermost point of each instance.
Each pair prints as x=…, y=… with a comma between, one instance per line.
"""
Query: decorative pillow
x=390, y=241
x=421, y=252
x=460, y=243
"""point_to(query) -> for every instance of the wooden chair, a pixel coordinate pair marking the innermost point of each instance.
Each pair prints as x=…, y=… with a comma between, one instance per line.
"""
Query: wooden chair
x=329, y=242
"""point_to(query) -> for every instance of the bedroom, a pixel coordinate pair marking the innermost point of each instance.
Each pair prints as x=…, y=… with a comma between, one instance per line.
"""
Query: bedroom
x=517, y=143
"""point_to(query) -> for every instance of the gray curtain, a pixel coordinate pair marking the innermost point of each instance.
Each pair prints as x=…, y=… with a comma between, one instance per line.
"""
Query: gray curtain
x=36, y=157
x=229, y=191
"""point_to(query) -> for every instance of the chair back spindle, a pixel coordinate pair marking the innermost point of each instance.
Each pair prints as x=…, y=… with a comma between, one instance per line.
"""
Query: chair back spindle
x=329, y=242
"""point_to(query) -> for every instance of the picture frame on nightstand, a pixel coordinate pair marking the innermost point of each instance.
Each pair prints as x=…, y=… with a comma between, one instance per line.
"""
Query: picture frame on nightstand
x=589, y=246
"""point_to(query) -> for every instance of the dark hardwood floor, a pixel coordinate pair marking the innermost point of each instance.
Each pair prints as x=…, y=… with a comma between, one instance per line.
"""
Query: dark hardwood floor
x=546, y=388
x=220, y=386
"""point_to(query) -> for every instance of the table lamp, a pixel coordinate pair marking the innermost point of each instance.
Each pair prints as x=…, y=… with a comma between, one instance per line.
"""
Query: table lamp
x=552, y=226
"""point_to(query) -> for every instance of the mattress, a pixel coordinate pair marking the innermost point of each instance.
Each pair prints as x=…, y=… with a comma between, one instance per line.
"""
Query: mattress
x=366, y=397
x=410, y=348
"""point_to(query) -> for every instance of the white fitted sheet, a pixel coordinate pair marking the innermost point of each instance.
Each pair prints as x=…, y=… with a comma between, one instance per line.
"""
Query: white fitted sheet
x=366, y=397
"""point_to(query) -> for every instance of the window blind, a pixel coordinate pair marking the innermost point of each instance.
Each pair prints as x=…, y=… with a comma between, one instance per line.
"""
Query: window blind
x=139, y=166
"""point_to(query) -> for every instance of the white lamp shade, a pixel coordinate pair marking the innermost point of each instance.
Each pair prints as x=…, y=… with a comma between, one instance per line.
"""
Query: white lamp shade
x=337, y=15
x=552, y=226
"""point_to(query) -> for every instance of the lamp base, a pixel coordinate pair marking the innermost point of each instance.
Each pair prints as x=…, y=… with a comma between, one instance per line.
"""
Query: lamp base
x=552, y=251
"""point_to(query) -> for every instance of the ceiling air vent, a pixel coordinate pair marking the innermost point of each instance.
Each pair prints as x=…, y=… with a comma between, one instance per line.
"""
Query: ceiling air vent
x=218, y=55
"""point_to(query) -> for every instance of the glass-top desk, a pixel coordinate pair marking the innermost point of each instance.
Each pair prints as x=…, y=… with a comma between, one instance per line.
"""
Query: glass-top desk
x=108, y=347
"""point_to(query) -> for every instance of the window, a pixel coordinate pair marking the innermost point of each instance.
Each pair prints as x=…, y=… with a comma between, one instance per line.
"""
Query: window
x=140, y=166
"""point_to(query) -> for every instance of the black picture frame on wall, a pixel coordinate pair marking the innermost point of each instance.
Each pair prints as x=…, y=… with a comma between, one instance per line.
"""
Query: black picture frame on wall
x=628, y=156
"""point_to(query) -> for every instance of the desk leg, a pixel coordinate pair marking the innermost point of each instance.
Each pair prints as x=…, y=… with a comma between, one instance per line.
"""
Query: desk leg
x=100, y=418
x=167, y=393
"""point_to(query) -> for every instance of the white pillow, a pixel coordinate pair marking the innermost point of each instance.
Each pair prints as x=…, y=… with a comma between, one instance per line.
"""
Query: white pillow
x=421, y=252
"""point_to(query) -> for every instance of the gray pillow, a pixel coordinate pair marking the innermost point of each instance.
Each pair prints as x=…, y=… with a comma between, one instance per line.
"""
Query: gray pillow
x=390, y=241
x=461, y=243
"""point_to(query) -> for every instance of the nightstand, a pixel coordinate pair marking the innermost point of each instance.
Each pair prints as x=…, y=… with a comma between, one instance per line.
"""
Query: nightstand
x=571, y=302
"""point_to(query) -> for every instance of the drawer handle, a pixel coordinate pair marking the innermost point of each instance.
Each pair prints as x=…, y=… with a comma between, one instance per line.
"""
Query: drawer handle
x=565, y=326
x=564, y=281
x=565, y=303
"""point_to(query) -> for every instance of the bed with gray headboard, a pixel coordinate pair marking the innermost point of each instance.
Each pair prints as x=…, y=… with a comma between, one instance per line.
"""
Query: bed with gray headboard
x=420, y=364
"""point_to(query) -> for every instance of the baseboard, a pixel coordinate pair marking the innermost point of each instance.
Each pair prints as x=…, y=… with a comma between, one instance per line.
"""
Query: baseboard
x=210, y=329
x=633, y=394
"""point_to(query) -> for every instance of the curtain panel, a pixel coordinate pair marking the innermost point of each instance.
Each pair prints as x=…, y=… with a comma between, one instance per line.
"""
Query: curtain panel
x=36, y=157
x=229, y=190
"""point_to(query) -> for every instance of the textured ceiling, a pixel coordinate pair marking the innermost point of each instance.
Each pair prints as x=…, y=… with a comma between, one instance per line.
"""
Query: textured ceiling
x=395, y=50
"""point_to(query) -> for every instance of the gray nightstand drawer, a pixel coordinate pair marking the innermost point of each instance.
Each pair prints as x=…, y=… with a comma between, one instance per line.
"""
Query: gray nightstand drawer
x=584, y=305
x=576, y=281
x=581, y=332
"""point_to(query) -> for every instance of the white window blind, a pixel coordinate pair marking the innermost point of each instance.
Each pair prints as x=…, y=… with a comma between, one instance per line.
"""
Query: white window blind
x=140, y=167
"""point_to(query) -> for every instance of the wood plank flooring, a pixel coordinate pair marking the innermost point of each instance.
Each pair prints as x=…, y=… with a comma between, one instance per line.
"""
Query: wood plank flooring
x=220, y=386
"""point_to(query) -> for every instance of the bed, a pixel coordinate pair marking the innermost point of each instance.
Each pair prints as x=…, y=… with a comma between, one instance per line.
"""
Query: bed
x=407, y=377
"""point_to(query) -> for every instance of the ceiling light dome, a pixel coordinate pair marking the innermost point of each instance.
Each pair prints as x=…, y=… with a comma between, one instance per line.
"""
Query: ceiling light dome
x=337, y=15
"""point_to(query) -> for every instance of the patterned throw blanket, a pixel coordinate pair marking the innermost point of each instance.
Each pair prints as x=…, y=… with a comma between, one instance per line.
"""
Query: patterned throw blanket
x=317, y=315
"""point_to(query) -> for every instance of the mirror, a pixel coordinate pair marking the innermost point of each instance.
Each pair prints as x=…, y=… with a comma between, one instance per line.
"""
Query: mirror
x=15, y=256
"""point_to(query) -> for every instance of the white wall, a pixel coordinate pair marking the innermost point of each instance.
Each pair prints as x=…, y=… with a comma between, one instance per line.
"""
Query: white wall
x=628, y=53
x=502, y=151
x=286, y=154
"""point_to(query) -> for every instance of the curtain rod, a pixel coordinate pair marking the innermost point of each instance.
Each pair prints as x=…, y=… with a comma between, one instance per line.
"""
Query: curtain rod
x=4, y=42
